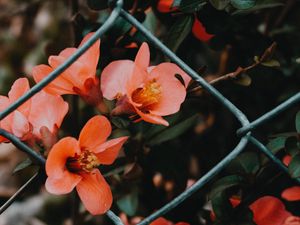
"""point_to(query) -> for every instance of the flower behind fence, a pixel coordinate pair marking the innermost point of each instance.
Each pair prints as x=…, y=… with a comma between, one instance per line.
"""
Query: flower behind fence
x=73, y=163
x=147, y=91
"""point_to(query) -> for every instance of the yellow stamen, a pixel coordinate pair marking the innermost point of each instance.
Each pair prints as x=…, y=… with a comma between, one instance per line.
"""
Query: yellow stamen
x=84, y=162
x=148, y=95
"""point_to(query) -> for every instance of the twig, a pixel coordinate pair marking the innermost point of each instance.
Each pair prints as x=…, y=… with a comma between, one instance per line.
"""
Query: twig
x=268, y=53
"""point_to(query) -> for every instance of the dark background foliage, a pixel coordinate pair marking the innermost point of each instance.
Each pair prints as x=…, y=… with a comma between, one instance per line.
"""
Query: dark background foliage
x=158, y=162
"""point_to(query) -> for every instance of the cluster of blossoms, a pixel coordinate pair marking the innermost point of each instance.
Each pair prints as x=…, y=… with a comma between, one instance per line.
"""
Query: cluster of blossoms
x=141, y=91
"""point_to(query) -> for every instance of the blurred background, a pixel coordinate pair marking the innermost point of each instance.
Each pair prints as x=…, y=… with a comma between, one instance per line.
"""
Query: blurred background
x=158, y=163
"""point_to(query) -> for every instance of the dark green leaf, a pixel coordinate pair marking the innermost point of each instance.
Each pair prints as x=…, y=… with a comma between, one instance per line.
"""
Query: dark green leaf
x=176, y=3
x=174, y=131
x=247, y=163
x=120, y=122
x=298, y=122
x=120, y=27
x=276, y=144
x=291, y=146
x=129, y=203
x=155, y=129
x=22, y=165
x=178, y=32
x=190, y=6
x=219, y=4
x=222, y=206
x=243, y=4
x=119, y=133
x=97, y=4
x=294, y=166
x=225, y=184
x=260, y=4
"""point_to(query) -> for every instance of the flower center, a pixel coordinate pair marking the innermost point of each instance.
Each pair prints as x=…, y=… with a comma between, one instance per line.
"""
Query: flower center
x=147, y=95
x=86, y=161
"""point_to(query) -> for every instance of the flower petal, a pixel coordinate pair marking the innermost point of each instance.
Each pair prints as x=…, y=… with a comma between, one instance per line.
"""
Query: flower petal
x=59, y=86
x=63, y=185
x=170, y=69
x=91, y=57
x=172, y=91
x=77, y=73
x=7, y=121
x=142, y=58
x=58, y=155
x=161, y=221
x=20, y=124
x=114, y=78
x=108, y=151
x=47, y=110
x=165, y=6
x=291, y=194
x=269, y=211
x=94, y=133
x=18, y=89
x=95, y=193
x=151, y=118
x=200, y=32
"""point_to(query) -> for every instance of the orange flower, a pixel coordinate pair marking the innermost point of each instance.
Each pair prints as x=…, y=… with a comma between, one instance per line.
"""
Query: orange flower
x=137, y=220
x=73, y=163
x=199, y=31
x=150, y=92
x=16, y=122
x=291, y=194
x=269, y=210
x=78, y=79
x=165, y=6
x=163, y=221
x=42, y=112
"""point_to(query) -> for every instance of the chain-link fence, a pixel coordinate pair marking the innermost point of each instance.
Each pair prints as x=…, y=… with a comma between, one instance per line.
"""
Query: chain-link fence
x=244, y=132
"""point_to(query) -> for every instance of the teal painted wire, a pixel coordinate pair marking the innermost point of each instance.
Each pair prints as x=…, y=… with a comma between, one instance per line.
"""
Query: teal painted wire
x=23, y=147
x=269, y=115
x=199, y=184
x=271, y=156
x=21, y=189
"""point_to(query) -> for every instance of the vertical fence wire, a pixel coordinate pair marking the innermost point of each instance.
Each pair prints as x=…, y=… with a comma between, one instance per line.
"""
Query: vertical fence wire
x=243, y=132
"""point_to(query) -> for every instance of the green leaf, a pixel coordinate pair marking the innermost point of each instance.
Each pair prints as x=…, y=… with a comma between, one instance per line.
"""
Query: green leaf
x=243, y=79
x=120, y=122
x=291, y=146
x=97, y=4
x=226, y=183
x=243, y=4
x=219, y=4
x=22, y=165
x=222, y=206
x=176, y=3
x=260, y=4
x=154, y=129
x=178, y=32
x=129, y=203
x=174, y=131
x=190, y=6
x=294, y=166
x=298, y=122
x=247, y=163
x=271, y=63
x=276, y=144
x=120, y=27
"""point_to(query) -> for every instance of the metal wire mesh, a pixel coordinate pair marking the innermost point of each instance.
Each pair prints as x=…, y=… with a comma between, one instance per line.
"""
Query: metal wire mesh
x=244, y=132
